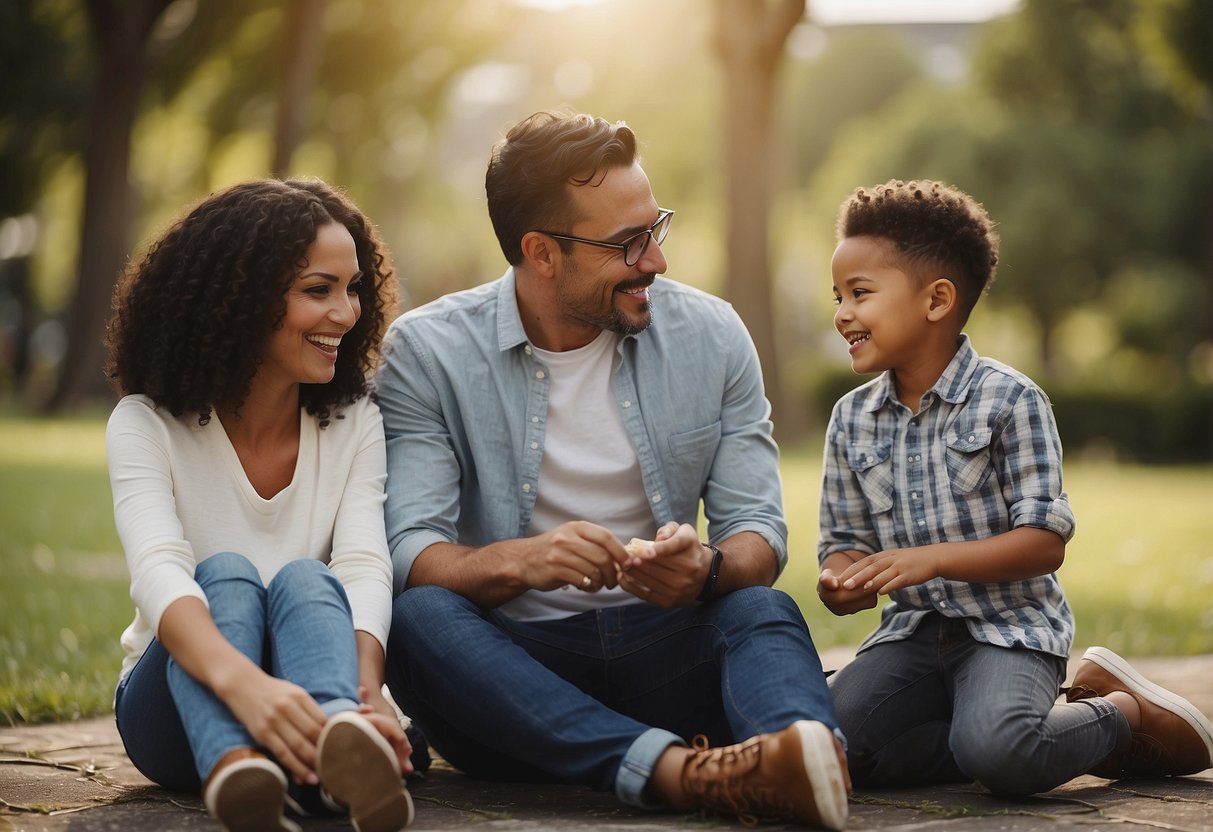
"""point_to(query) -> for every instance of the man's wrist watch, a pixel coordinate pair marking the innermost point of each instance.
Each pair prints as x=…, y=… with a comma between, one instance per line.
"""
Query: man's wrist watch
x=709, y=586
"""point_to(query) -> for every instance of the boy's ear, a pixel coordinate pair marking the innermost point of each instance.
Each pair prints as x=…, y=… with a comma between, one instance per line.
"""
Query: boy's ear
x=540, y=253
x=942, y=298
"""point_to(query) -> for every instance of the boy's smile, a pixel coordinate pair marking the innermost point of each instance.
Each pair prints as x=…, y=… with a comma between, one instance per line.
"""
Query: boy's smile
x=881, y=309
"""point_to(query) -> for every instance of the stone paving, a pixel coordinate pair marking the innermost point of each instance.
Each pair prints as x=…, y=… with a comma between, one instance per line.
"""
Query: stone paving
x=75, y=776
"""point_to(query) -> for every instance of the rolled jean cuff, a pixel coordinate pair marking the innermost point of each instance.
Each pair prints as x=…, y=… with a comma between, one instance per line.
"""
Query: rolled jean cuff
x=638, y=764
x=336, y=706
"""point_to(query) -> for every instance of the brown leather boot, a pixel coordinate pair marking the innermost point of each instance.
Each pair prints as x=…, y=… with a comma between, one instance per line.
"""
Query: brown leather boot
x=246, y=792
x=798, y=774
x=1174, y=738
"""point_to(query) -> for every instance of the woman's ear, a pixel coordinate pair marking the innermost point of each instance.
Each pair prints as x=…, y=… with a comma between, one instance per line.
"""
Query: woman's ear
x=540, y=253
x=942, y=299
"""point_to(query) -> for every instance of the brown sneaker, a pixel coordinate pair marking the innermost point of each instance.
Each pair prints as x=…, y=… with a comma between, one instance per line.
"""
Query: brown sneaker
x=359, y=769
x=246, y=792
x=1174, y=738
x=797, y=774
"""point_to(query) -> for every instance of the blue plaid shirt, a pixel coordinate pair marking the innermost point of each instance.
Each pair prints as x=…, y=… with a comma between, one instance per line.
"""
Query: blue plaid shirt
x=980, y=458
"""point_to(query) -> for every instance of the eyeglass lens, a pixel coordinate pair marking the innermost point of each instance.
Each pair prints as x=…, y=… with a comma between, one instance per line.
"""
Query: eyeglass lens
x=640, y=243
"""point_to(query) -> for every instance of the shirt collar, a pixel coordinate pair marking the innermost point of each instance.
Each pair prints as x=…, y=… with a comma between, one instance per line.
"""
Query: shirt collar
x=509, y=320
x=510, y=332
x=952, y=385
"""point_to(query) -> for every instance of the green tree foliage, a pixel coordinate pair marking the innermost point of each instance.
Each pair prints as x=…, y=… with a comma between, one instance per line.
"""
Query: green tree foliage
x=46, y=59
x=1087, y=136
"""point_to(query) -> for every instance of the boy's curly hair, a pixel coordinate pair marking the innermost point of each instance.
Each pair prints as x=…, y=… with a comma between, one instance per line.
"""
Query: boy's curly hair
x=931, y=225
x=193, y=316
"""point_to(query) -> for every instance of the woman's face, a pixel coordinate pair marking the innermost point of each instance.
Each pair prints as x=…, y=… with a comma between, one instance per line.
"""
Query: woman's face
x=322, y=304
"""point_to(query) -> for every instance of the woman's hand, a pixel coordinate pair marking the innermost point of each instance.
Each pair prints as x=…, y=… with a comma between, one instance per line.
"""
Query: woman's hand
x=380, y=713
x=281, y=717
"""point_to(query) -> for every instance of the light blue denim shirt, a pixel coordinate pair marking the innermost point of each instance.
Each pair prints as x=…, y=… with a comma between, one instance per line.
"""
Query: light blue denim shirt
x=464, y=402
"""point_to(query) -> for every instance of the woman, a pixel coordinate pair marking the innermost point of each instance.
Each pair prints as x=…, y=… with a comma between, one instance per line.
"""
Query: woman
x=247, y=467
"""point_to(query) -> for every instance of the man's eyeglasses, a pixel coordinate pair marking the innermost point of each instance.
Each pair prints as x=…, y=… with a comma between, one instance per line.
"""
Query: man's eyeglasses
x=633, y=247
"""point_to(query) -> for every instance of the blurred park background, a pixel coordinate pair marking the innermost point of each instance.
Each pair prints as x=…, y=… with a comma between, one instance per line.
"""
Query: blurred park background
x=1084, y=126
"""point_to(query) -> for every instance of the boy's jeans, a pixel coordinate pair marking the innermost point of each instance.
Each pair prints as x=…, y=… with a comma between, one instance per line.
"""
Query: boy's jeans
x=942, y=707
x=596, y=698
x=298, y=628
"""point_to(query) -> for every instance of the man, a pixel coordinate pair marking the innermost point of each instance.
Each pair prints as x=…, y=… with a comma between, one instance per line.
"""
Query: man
x=534, y=424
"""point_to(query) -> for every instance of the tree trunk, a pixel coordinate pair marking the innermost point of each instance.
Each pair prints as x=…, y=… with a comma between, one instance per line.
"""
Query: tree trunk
x=302, y=49
x=750, y=38
x=122, y=32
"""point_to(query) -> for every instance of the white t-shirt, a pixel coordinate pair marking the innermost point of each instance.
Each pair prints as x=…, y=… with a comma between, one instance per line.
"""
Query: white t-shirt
x=589, y=470
x=181, y=495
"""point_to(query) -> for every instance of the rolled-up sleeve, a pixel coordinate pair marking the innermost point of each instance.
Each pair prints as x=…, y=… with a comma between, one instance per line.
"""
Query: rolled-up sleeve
x=744, y=491
x=422, y=505
x=1030, y=451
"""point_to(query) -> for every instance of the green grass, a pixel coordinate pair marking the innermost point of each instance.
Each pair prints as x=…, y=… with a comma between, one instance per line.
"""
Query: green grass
x=1139, y=573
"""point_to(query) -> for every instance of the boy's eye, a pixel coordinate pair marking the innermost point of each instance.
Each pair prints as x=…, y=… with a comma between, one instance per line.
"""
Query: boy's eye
x=837, y=299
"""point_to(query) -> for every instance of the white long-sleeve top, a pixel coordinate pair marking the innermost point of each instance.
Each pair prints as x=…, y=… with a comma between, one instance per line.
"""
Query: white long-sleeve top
x=181, y=495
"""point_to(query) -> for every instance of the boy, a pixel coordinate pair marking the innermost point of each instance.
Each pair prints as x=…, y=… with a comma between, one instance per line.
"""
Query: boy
x=942, y=490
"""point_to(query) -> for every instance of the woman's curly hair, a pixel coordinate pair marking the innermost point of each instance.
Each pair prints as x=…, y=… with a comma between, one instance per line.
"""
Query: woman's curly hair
x=931, y=225
x=192, y=317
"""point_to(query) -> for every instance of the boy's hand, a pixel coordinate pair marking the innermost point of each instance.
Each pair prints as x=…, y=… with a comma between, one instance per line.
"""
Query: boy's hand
x=892, y=569
x=842, y=601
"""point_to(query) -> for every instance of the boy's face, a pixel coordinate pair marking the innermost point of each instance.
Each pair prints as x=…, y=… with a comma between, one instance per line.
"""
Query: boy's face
x=882, y=310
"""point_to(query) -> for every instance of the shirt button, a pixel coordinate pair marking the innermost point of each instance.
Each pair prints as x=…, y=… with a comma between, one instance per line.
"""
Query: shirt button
x=910, y=458
x=534, y=446
x=527, y=349
x=922, y=522
x=526, y=486
x=918, y=457
x=627, y=403
x=871, y=459
x=914, y=422
x=972, y=437
x=914, y=495
x=540, y=374
x=534, y=418
x=657, y=498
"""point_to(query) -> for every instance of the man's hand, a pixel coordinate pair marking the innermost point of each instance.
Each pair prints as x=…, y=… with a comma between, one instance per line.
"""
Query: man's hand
x=577, y=554
x=674, y=575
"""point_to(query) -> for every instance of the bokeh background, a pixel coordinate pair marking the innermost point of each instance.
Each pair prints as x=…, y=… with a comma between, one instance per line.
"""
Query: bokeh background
x=1084, y=126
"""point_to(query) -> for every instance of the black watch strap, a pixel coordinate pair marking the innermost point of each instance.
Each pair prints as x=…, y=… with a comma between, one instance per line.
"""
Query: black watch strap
x=709, y=586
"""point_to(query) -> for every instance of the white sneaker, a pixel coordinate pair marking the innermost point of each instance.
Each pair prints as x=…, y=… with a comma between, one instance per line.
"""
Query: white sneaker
x=359, y=769
x=248, y=795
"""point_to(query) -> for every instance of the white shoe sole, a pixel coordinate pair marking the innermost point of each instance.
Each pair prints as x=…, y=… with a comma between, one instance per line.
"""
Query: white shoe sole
x=1151, y=692
x=825, y=774
x=248, y=796
x=359, y=769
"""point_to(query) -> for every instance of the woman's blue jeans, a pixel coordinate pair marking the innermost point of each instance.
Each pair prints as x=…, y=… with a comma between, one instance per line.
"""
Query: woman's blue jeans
x=942, y=707
x=298, y=628
x=596, y=698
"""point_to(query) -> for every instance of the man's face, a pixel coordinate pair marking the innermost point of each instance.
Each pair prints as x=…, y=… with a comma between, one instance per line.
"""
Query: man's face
x=597, y=290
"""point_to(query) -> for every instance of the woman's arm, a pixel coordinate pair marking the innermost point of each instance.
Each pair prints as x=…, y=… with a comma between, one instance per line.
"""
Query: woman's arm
x=281, y=716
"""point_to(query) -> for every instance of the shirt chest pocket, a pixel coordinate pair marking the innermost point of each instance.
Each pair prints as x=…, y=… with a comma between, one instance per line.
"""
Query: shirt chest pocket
x=872, y=466
x=693, y=451
x=968, y=458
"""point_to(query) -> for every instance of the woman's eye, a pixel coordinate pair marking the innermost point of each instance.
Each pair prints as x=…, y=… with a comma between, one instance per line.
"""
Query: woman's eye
x=355, y=288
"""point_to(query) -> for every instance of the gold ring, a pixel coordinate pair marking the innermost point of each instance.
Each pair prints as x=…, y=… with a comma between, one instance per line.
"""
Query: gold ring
x=585, y=582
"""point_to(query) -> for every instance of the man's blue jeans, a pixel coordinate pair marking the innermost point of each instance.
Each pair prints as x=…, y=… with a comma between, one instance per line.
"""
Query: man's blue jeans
x=596, y=698
x=941, y=707
x=298, y=628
